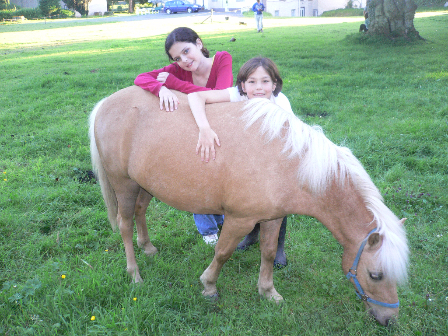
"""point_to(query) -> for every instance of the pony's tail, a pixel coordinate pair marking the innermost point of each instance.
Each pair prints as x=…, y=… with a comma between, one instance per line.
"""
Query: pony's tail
x=106, y=188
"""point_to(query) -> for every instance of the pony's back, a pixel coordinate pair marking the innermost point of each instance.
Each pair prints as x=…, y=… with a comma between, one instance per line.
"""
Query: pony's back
x=156, y=149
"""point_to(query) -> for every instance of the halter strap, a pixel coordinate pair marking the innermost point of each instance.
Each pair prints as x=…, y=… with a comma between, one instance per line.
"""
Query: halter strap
x=352, y=273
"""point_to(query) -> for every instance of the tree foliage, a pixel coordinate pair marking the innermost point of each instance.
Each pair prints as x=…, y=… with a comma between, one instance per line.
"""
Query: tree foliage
x=392, y=18
x=4, y=4
x=48, y=7
x=81, y=6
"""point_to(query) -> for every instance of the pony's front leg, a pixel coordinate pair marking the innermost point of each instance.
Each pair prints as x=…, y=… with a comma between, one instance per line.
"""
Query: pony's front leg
x=232, y=233
x=268, y=245
x=143, y=240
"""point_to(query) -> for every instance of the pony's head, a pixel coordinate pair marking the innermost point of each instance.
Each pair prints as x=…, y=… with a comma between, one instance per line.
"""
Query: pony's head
x=375, y=283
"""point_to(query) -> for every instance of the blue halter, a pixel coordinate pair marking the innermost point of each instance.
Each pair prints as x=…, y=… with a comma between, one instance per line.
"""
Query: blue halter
x=352, y=272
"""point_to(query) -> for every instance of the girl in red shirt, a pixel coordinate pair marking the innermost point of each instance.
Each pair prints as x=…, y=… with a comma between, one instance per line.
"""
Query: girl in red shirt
x=193, y=70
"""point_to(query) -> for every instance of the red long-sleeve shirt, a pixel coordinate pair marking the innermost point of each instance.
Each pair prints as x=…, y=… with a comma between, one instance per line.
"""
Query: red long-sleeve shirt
x=220, y=77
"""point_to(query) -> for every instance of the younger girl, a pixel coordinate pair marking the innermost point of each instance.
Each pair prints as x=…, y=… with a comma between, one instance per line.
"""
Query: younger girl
x=193, y=70
x=257, y=78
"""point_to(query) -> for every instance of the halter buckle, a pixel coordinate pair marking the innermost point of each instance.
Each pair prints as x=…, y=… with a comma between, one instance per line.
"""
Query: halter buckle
x=353, y=272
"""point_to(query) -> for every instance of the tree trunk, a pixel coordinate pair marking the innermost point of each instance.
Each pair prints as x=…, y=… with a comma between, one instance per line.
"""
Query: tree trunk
x=392, y=18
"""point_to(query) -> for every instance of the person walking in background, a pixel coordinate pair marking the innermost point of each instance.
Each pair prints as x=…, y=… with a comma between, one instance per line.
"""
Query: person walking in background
x=258, y=9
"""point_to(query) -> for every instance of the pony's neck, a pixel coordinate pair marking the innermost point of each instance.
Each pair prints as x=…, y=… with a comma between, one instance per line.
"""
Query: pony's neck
x=343, y=212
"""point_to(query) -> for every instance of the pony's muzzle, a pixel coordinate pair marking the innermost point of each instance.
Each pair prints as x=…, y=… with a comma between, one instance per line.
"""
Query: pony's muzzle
x=385, y=316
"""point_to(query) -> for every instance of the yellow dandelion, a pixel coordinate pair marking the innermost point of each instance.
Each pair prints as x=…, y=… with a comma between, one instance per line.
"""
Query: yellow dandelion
x=4, y=172
x=5, y=179
x=106, y=250
x=135, y=299
x=93, y=318
x=63, y=276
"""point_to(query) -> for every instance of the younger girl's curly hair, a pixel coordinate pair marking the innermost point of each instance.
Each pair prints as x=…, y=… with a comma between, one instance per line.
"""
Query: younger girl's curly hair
x=253, y=64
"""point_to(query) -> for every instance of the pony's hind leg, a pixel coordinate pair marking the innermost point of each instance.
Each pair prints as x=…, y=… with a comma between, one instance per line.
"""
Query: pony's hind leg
x=141, y=205
x=268, y=245
x=232, y=232
x=127, y=192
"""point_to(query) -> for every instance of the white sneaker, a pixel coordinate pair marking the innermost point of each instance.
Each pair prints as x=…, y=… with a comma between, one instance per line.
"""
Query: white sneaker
x=211, y=239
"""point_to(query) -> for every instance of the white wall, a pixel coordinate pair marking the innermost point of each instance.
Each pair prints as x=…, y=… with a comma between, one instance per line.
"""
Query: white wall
x=286, y=8
x=209, y=4
x=326, y=5
x=97, y=6
x=296, y=8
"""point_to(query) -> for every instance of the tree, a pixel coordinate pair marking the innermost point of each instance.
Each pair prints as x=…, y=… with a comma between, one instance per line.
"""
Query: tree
x=4, y=4
x=392, y=18
x=48, y=7
x=81, y=6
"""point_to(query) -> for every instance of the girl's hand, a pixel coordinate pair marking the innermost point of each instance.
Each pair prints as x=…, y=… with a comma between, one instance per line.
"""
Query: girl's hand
x=168, y=98
x=206, y=144
x=161, y=77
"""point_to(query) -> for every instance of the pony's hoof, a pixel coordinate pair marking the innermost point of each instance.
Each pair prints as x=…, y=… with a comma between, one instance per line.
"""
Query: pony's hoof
x=151, y=251
x=213, y=298
x=278, y=299
x=137, y=279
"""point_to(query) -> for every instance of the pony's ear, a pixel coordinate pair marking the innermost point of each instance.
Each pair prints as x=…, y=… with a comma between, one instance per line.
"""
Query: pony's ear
x=374, y=239
x=402, y=221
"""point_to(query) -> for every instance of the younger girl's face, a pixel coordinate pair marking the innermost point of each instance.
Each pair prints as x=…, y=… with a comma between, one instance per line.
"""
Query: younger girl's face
x=259, y=84
x=187, y=55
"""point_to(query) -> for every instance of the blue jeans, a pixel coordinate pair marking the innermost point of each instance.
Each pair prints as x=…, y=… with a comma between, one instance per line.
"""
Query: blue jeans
x=208, y=224
x=259, y=20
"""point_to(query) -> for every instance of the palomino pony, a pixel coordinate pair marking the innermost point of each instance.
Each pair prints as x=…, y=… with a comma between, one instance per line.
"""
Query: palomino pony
x=270, y=164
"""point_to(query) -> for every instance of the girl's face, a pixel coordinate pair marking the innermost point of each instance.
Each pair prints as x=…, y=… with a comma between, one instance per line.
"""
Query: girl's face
x=187, y=55
x=259, y=84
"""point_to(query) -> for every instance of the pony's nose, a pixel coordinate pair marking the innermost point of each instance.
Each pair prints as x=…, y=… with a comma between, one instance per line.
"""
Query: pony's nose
x=390, y=322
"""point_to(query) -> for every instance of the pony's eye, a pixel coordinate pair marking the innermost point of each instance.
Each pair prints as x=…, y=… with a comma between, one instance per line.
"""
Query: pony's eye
x=376, y=275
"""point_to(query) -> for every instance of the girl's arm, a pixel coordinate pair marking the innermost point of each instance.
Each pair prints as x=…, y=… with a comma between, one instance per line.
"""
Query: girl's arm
x=207, y=137
x=148, y=80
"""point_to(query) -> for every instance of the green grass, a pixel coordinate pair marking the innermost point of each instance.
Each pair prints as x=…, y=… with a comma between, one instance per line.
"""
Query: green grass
x=386, y=102
x=343, y=12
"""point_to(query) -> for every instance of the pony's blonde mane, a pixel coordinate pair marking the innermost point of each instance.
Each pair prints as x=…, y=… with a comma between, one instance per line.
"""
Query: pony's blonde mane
x=322, y=162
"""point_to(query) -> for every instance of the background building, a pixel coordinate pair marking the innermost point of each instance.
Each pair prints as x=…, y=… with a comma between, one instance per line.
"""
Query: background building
x=95, y=6
x=291, y=8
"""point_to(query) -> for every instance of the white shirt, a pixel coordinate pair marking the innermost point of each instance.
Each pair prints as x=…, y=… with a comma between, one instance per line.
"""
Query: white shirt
x=280, y=100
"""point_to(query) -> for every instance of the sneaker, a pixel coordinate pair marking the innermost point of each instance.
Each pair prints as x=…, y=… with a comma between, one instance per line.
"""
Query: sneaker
x=211, y=239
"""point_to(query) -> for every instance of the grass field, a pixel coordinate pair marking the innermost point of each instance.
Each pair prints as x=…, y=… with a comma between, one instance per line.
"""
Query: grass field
x=62, y=268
